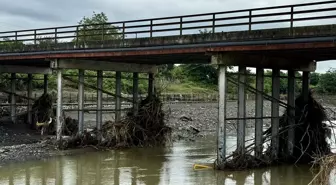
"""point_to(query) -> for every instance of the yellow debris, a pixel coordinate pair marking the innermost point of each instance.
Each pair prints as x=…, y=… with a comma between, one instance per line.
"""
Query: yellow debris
x=199, y=166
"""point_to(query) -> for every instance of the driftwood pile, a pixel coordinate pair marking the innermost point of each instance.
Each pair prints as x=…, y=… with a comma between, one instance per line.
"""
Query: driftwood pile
x=145, y=128
x=43, y=117
x=311, y=135
x=327, y=170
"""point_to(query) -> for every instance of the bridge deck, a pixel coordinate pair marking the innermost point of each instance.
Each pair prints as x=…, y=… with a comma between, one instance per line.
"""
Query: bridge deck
x=174, y=40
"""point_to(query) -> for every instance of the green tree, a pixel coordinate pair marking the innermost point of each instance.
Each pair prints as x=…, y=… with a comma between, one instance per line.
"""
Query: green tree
x=9, y=45
x=165, y=71
x=327, y=81
x=202, y=73
x=314, y=79
x=95, y=31
x=46, y=43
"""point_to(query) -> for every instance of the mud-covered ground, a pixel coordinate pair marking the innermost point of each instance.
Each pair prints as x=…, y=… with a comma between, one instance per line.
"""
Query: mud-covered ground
x=189, y=121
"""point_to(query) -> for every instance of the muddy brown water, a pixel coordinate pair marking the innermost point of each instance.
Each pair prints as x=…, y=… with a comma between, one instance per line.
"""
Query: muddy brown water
x=147, y=166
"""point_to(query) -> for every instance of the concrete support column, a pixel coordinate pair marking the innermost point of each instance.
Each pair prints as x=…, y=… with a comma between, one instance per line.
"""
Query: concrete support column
x=30, y=93
x=221, y=126
x=45, y=84
x=59, y=116
x=259, y=110
x=99, y=100
x=13, y=100
x=291, y=110
x=150, y=84
x=305, y=85
x=135, y=92
x=118, y=95
x=80, y=101
x=275, y=112
x=241, y=111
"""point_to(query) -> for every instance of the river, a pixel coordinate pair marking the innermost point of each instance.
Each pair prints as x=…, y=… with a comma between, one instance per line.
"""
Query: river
x=147, y=166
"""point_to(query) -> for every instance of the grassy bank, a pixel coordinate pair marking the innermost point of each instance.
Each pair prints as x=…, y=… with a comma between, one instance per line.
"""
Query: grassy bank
x=189, y=87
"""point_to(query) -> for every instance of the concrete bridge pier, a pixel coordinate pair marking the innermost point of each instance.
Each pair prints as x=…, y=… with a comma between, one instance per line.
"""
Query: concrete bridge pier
x=59, y=115
x=118, y=95
x=30, y=94
x=99, y=112
x=80, y=100
x=13, y=98
x=151, y=84
x=45, y=84
x=225, y=60
x=135, y=92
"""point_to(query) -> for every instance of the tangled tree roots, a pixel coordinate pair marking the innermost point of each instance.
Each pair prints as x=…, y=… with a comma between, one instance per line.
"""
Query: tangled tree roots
x=309, y=142
x=43, y=112
x=146, y=128
x=42, y=109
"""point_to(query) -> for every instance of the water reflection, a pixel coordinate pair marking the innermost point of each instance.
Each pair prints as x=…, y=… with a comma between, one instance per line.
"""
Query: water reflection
x=153, y=166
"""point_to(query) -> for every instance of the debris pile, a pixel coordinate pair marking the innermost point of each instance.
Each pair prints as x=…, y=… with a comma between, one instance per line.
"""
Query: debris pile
x=145, y=128
x=43, y=117
x=327, y=169
x=310, y=139
x=42, y=111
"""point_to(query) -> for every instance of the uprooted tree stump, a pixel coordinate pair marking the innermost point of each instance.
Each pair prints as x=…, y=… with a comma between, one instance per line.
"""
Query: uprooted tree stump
x=310, y=139
x=43, y=117
x=310, y=132
x=146, y=128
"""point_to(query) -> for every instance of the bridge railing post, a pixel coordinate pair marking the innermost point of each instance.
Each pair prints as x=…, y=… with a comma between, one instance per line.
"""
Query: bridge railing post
x=181, y=26
x=103, y=35
x=77, y=36
x=151, y=29
x=123, y=33
x=84, y=36
x=291, y=21
x=250, y=20
x=213, y=23
x=55, y=37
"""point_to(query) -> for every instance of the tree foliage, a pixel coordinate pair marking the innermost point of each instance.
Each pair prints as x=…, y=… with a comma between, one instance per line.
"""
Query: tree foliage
x=327, y=81
x=95, y=30
x=10, y=45
x=314, y=79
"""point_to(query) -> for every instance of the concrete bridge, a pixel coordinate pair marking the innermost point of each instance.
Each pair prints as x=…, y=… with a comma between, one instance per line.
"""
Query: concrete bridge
x=289, y=37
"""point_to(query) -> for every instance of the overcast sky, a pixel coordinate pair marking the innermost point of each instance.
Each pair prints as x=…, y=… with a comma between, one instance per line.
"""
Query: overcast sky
x=27, y=14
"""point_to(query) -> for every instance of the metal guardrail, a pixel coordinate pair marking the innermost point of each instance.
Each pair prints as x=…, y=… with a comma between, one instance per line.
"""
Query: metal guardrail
x=101, y=35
